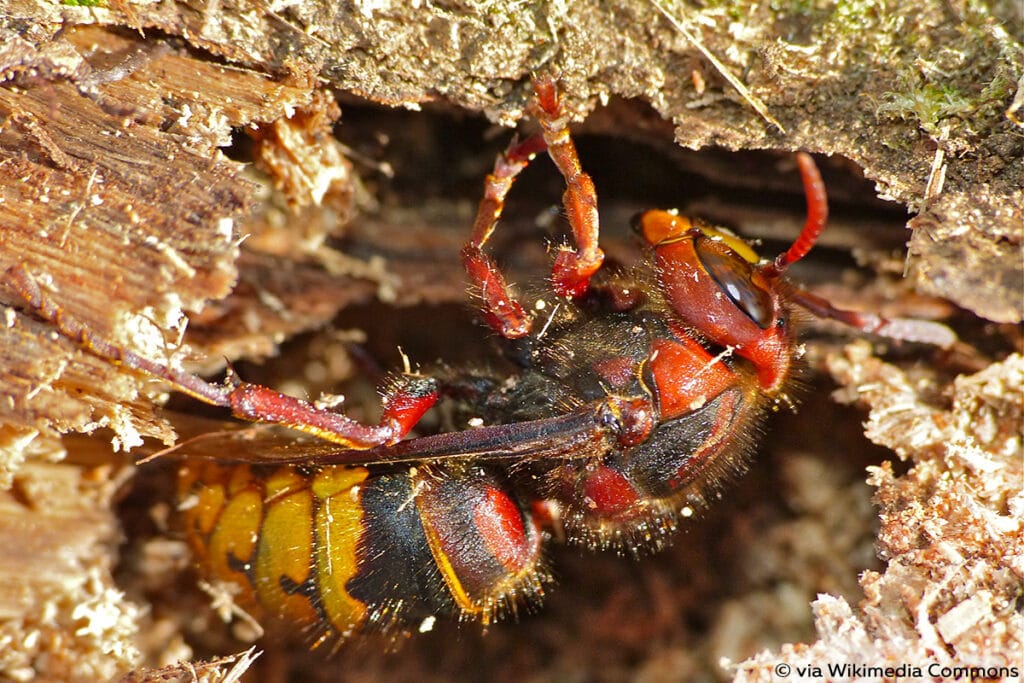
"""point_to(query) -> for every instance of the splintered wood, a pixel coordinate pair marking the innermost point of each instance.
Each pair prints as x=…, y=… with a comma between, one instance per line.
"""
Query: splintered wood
x=116, y=200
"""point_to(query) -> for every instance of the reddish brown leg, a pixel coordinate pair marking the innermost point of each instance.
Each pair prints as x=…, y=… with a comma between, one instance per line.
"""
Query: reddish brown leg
x=573, y=269
x=403, y=406
x=500, y=309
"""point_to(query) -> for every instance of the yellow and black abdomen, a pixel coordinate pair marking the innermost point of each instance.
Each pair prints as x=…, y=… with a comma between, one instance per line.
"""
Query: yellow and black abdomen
x=337, y=550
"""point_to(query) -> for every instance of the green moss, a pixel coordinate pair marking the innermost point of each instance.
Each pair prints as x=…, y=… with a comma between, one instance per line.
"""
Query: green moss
x=83, y=3
x=732, y=10
x=793, y=7
x=930, y=104
x=852, y=17
x=928, y=67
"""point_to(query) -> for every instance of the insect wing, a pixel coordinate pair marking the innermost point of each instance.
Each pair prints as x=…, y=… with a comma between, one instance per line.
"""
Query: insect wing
x=574, y=434
x=240, y=443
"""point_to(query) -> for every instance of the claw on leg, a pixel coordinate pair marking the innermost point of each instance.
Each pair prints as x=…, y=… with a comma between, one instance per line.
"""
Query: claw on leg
x=573, y=266
x=403, y=406
x=501, y=311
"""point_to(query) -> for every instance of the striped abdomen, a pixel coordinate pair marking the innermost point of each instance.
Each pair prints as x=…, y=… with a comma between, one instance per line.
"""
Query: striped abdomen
x=341, y=549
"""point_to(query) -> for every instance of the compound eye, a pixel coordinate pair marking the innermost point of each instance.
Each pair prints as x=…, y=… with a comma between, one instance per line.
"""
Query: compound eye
x=734, y=275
